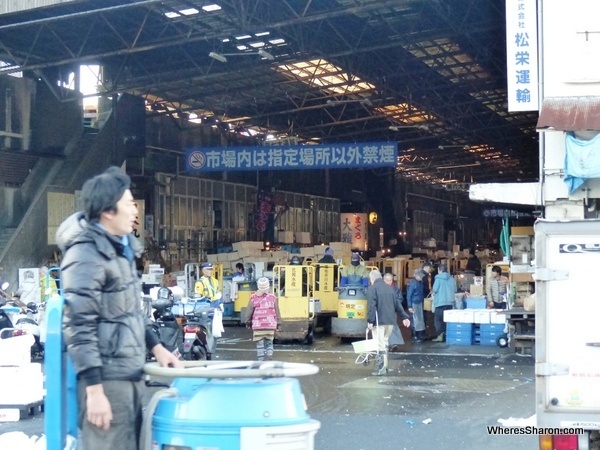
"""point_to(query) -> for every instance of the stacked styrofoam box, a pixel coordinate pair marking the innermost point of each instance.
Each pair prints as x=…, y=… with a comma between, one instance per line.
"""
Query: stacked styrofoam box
x=302, y=237
x=285, y=237
x=481, y=315
x=248, y=245
x=308, y=252
x=497, y=316
x=22, y=381
x=21, y=385
x=212, y=258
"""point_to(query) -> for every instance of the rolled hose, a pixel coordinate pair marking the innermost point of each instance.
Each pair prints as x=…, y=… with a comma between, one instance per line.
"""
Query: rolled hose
x=146, y=433
x=233, y=369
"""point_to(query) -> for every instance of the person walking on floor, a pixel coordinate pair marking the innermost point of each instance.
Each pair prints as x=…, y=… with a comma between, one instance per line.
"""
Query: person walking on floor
x=262, y=315
x=395, y=340
x=414, y=302
x=382, y=306
x=106, y=332
x=444, y=288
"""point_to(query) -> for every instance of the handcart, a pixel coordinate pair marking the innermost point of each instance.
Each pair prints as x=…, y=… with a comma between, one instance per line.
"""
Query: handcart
x=367, y=349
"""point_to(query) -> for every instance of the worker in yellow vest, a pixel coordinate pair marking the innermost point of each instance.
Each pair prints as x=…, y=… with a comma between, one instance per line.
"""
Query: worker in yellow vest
x=208, y=285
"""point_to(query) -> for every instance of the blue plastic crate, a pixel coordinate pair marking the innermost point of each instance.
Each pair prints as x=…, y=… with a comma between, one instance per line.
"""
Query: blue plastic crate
x=460, y=333
x=455, y=326
x=475, y=302
x=459, y=340
x=488, y=341
x=497, y=328
x=493, y=335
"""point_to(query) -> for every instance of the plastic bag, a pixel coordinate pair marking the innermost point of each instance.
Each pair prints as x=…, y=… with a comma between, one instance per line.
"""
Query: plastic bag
x=217, y=323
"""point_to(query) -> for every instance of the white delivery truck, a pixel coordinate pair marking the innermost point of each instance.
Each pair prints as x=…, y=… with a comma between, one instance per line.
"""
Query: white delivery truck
x=567, y=368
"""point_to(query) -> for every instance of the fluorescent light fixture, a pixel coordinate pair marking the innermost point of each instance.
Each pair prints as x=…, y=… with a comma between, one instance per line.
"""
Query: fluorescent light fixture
x=277, y=41
x=242, y=47
x=222, y=56
x=245, y=36
x=193, y=115
x=459, y=166
x=365, y=101
x=225, y=40
x=398, y=127
x=211, y=7
x=257, y=44
x=464, y=147
x=218, y=57
x=264, y=33
x=265, y=54
x=189, y=11
x=172, y=15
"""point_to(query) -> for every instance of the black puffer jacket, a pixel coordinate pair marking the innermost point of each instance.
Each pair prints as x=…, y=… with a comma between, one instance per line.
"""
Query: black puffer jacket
x=105, y=329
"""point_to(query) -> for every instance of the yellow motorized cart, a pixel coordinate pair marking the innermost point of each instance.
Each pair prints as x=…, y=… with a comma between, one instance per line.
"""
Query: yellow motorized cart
x=294, y=287
x=326, y=296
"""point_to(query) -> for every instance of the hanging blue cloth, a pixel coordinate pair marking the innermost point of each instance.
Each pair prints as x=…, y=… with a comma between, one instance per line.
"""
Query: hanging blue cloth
x=582, y=160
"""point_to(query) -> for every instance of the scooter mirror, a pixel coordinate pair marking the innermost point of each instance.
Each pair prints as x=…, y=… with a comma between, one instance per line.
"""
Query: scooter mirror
x=5, y=285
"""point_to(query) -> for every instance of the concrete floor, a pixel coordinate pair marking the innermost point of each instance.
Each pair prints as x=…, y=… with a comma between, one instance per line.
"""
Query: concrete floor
x=461, y=389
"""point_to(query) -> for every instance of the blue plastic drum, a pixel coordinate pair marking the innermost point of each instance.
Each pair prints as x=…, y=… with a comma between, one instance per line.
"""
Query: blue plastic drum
x=229, y=414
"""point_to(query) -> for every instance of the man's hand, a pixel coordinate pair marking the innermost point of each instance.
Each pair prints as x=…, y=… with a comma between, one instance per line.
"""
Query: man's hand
x=165, y=358
x=370, y=326
x=99, y=412
x=410, y=310
x=406, y=323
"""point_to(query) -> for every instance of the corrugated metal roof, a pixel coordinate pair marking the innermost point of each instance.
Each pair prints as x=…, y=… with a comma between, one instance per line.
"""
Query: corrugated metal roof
x=570, y=113
x=11, y=6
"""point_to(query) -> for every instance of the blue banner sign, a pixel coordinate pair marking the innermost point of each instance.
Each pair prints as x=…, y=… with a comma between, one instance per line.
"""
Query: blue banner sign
x=293, y=157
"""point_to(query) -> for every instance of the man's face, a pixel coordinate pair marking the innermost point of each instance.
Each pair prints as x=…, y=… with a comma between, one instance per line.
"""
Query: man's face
x=207, y=272
x=122, y=221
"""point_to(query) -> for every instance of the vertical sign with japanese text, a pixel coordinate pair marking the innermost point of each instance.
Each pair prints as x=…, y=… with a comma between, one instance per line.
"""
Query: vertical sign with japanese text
x=354, y=230
x=522, y=55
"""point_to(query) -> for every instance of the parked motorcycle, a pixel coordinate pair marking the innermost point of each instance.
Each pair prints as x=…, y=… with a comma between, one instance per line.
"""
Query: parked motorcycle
x=198, y=340
x=165, y=324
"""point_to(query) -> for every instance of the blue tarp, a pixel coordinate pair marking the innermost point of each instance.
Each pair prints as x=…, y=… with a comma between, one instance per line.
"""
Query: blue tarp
x=582, y=160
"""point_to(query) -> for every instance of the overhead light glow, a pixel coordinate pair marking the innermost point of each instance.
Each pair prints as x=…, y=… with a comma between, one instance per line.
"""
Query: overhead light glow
x=277, y=41
x=211, y=7
x=225, y=40
x=189, y=11
x=172, y=15
x=264, y=33
x=244, y=36
x=242, y=47
x=257, y=44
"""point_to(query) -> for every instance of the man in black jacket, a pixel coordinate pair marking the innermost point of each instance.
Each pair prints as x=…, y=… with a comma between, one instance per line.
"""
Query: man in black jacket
x=106, y=333
x=382, y=306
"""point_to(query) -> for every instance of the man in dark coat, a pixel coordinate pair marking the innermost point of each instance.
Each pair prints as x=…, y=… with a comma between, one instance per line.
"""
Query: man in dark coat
x=382, y=306
x=106, y=333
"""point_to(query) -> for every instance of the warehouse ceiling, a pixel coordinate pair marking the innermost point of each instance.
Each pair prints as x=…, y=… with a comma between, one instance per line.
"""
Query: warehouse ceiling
x=428, y=74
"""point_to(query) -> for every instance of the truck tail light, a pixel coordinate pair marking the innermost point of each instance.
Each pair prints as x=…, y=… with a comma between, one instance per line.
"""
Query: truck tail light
x=559, y=442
